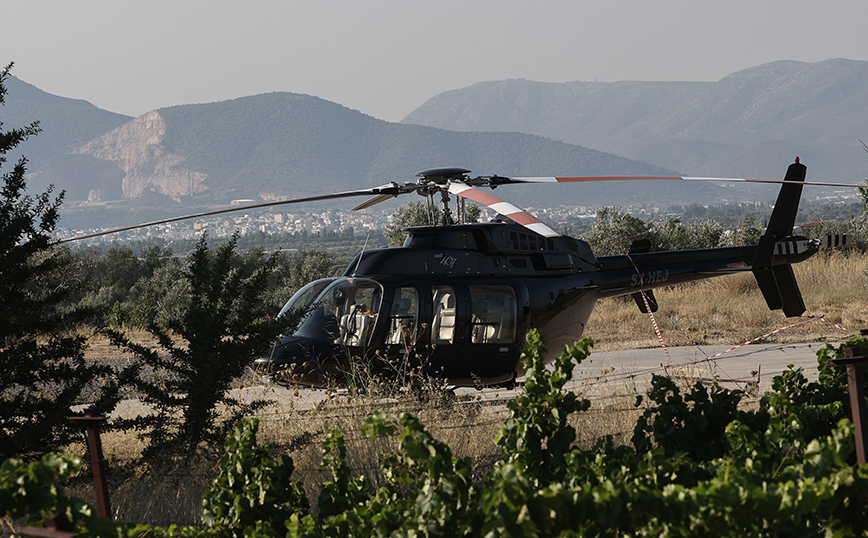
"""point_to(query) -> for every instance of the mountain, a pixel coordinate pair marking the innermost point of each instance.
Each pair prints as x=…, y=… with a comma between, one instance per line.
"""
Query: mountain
x=744, y=125
x=280, y=145
x=65, y=123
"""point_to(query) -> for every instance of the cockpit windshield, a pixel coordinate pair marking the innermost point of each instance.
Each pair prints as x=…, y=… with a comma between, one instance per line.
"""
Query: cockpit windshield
x=303, y=298
x=345, y=312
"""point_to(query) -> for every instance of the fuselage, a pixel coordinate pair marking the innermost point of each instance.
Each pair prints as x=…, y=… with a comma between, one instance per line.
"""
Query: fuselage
x=456, y=301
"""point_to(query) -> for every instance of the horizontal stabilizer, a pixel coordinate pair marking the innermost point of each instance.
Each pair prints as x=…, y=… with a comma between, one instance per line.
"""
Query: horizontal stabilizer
x=762, y=270
x=788, y=289
x=776, y=282
x=836, y=240
x=640, y=301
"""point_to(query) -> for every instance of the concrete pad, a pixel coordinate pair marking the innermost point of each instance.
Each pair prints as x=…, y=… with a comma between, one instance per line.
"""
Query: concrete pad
x=742, y=367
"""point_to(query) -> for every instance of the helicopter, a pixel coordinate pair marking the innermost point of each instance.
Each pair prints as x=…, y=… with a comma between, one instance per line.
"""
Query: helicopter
x=456, y=300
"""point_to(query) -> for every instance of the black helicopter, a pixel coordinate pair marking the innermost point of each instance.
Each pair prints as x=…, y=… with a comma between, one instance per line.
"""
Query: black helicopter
x=457, y=299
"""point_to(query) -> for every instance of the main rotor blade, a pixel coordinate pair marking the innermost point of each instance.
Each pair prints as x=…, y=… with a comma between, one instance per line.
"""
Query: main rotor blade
x=388, y=191
x=558, y=179
x=374, y=201
x=504, y=208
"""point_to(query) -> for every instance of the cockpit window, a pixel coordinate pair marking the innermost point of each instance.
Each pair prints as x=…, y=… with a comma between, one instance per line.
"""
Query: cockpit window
x=303, y=298
x=345, y=312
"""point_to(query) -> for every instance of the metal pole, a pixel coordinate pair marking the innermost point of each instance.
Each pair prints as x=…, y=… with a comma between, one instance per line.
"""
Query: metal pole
x=91, y=424
x=857, y=399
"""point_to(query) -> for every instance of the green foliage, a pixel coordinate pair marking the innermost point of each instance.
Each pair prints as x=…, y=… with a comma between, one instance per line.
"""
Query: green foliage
x=748, y=232
x=118, y=279
x=413, y=214
x=673, y=234
x=343, y=492
x=215, y=324
x=863, y=191
x=536, y=437
x=419, y=214
x=128, y=288
x=694, y=424
x=614, y=230
x=29, y=491
x=42, y=359
x=308, y=266
x=253, y=492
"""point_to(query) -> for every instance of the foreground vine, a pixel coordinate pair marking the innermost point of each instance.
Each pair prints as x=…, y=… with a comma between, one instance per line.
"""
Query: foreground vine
x=698, y=466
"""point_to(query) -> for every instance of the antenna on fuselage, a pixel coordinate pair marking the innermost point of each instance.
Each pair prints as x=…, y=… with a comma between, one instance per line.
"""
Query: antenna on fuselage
x=362, y=253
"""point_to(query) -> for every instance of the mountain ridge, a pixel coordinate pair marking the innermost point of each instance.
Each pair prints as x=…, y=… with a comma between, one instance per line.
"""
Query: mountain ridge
x=817, y=109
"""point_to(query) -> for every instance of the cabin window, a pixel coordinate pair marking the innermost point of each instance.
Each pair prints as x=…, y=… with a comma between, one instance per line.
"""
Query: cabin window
x=403, y=316
x=443, y=324
x=493, y=314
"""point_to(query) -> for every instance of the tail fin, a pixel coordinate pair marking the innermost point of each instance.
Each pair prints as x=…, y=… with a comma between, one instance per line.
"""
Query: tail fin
x=777, y=283
x=787, y=205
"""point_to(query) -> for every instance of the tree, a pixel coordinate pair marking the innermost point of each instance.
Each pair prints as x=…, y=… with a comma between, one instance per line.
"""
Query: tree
x=747, y=233
x=310, y=265
x=614, y=230
x=41, y=357
x=414, y=214
x=673, y=234
x=417, y=214
x=211, y=323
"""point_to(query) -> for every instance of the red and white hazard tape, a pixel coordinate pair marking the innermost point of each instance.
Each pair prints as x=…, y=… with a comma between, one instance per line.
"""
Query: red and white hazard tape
x=821, y=318
x=654, y=323
x=808, y=319
x=648, y=309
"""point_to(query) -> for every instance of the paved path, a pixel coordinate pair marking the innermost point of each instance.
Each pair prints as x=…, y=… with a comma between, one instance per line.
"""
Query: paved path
x=753, y=364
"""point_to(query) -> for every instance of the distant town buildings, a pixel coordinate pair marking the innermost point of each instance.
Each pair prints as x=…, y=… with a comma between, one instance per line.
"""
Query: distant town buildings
x=272, y=222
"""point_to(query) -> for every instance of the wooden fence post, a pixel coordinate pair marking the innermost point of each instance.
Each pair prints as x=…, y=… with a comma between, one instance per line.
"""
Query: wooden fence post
x=91, y=424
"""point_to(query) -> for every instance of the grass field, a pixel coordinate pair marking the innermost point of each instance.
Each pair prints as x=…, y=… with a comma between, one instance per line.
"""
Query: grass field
x=726, y=310
x=731, y=309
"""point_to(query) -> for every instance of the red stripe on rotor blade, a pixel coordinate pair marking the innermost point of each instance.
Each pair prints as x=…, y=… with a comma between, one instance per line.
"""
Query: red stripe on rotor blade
x=523, y=218
x=482, y=197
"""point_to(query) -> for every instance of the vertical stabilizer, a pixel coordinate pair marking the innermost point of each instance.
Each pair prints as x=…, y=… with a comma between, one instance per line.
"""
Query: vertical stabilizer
x=777, y=283
x=787, y=205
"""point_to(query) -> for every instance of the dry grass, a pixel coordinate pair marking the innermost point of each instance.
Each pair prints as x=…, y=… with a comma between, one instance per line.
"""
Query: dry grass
x=731, y=310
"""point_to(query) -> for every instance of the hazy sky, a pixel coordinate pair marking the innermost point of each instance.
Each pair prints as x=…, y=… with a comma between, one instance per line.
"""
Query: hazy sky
x=387, y=57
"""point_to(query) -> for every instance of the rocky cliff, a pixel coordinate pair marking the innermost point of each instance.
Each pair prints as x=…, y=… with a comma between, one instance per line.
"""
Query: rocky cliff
x=136, y=148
